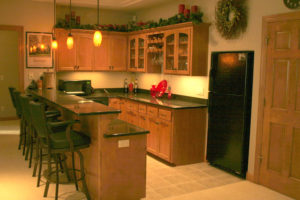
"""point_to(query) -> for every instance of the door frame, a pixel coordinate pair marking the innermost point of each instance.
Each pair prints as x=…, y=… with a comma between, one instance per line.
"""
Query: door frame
x=20, y=31
x=260, y=115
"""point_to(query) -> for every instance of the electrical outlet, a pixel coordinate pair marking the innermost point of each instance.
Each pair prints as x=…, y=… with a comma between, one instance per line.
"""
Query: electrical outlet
x=123, y=143
x=201, y=91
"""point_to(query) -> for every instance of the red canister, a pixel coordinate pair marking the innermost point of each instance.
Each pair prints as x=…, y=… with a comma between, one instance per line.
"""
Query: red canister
x=181, y=8
x=186, y=13
x=194, y=9
x=130, y=87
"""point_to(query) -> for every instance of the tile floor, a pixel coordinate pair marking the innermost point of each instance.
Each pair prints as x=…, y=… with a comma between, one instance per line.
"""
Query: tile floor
x=189, y=182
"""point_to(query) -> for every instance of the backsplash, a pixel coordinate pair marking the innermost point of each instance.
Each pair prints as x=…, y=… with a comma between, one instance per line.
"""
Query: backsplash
x=195, y=86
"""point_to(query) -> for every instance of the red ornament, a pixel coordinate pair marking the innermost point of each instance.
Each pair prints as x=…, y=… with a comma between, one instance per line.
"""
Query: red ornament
x=194, y=9
x=181, y=8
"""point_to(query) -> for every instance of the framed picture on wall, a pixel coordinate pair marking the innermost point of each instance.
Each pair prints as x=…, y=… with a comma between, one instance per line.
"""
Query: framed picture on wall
x=39, y=50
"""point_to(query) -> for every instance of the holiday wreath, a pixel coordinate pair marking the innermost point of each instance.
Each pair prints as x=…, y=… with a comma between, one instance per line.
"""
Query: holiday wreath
x=231, y=18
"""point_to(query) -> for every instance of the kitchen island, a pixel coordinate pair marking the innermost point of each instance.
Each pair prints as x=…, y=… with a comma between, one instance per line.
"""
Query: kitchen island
x=115, y=162
x=177, y=126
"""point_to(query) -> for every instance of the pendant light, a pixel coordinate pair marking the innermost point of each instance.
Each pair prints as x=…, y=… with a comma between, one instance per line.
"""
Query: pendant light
x=54, y=42
x=70, y=39
x=97, y=35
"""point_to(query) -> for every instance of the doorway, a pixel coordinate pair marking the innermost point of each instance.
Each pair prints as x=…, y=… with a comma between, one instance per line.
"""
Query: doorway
x=277, y=163
x=11, y=67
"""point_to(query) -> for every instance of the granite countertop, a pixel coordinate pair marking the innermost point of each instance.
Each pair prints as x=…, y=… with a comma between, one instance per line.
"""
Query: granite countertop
x=75, y=104
x=176, y=102
x=118, y=128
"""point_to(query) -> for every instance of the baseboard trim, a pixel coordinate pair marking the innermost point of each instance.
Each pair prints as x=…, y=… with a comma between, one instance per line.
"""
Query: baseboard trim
x=250, y=177
x=8, y=118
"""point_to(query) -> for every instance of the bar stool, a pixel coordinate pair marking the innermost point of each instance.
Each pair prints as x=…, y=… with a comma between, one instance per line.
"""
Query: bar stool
x=57, y=144
x=22, y=141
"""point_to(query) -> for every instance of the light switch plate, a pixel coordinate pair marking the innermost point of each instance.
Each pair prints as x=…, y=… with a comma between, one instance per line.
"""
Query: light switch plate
x=1, y=77
x=123, y=143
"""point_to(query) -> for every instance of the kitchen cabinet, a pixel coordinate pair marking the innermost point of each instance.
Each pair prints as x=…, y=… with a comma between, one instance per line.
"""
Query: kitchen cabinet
x=137, y=53
x=84, y=56
x=180, y=49
x=186, y=51
x=80, y=57
x=112, y=54
x=119, y=104
x=176, y=135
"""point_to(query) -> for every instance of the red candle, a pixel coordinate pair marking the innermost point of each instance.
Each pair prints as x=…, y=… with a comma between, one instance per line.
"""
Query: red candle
x=73, y=15
x=194, y=9
x=78, y=20
x=187, y=13
x=181, y=8
x=67, y=17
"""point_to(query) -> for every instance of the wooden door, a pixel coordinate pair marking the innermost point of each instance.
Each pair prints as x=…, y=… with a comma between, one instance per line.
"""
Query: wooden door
x=65, y=58
x=84, y=52
x=153, y=136
x=101, y=55
x=165, y=128
x=280, y=149
x=118, y=52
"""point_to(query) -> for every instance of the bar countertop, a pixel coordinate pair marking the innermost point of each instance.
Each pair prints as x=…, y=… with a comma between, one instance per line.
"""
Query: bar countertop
x=77, y=105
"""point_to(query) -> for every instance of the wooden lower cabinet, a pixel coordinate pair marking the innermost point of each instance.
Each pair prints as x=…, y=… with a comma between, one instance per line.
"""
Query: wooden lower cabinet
x=176, y=135
x=165, y=131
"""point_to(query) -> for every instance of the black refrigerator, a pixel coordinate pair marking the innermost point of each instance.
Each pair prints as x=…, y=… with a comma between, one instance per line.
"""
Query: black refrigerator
x=229, y=110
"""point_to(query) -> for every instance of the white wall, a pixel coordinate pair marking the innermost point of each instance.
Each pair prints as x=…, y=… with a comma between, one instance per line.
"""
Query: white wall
x=250, y=40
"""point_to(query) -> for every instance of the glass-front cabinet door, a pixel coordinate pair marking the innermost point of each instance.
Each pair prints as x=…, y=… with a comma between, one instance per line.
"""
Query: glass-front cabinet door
x=137, y=54
x=141, y=54
x=132, y=52
x=182, y=56
x=169, y=61
x=177, y=51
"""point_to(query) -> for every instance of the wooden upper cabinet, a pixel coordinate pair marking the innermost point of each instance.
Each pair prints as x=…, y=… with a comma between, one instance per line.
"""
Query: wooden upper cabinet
x=84, y=51
x=118, y=52
x=101, y=55
x=137, y=53
x=177, y=52
x=112, y=54
x=65, y=58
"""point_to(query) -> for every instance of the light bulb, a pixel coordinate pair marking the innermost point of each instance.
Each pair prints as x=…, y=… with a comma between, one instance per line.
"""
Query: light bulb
x=54, y=43
x=97, y=38
x=70, y=41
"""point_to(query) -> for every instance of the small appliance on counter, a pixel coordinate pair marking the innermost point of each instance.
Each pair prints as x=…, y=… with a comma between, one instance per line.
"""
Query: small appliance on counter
x=76, y=87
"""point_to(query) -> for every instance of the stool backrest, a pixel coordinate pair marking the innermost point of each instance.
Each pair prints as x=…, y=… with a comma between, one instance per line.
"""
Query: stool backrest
x=11, y=90
x=16, y=95
x=38, y=116
x=25, y=107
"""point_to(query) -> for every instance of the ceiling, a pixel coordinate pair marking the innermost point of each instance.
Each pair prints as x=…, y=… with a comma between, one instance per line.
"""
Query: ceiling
x=110, y=4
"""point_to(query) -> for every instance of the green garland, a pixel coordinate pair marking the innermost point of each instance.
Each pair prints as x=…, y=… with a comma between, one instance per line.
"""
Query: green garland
x=196, y=18
x=231, y=18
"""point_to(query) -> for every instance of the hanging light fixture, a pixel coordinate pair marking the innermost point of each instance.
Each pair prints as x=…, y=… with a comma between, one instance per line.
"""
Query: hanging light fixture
x=70, y=39
x=54, y=42
x=97, y=35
